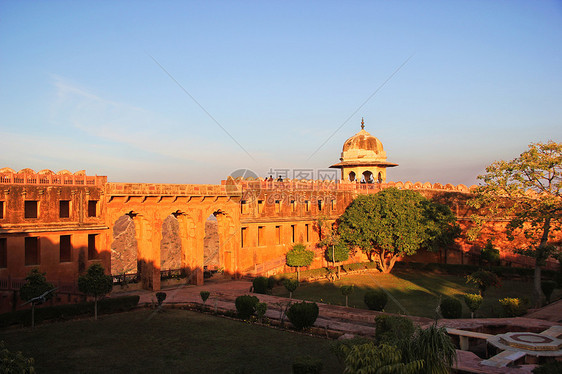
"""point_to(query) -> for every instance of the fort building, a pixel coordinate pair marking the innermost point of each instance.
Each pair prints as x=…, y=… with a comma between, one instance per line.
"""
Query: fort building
x=63, y=222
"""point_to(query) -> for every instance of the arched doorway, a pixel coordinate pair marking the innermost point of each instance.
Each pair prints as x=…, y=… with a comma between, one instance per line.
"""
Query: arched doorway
x=211, y=245
x=170, y=246
x=367, y=177
x=124, y=249
x=352, y=176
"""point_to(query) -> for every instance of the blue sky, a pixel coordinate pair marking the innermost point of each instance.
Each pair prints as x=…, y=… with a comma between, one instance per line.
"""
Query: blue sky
x=80, y=88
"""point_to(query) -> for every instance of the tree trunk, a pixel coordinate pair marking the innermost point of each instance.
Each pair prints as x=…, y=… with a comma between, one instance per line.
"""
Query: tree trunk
x=540, y=258
x=95, y=308
x=298, y=274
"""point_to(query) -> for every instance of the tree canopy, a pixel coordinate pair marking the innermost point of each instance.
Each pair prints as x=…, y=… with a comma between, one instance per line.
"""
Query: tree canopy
x=36, y=285
x=395, y=223
x=526, y=190
x=95, y=283
x=299, y=256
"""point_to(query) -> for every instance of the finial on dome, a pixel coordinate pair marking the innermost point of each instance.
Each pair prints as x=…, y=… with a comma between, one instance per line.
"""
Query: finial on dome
x=362, y=124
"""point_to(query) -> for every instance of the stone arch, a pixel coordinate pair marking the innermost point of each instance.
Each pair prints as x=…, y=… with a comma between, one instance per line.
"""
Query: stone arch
x=408, y=185
x=170, y=245
x=367, y=176
x=124, y=247
x=351, y=176
x=380, y=178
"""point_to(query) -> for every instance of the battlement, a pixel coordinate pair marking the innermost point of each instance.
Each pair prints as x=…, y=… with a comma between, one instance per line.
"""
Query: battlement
x=48, y=177
x=154, y=189
x=338, y=185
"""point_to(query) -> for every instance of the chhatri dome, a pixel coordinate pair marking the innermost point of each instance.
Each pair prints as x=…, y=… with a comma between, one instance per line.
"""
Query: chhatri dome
x=363, y=158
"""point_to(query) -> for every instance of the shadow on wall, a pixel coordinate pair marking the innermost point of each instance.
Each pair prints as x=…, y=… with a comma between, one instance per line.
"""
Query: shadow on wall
x=62, y=257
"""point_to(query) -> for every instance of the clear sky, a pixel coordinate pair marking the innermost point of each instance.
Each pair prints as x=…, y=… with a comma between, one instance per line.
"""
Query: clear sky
x=83, y=86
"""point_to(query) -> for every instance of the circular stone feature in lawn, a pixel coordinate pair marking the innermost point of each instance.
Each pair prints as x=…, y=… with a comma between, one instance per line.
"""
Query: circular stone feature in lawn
x=527, y=341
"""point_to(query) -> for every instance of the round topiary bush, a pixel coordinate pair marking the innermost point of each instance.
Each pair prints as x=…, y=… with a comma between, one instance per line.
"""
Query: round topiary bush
x=450, y=308
x=376, y=299
x=303, y=315
x=160, y=297
x=513, y=307
x=473, y=302
x=260, y=285
x=246, y=306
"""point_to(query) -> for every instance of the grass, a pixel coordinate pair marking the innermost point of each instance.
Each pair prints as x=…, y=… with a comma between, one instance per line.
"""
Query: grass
x=175, y=341
x=415, y=292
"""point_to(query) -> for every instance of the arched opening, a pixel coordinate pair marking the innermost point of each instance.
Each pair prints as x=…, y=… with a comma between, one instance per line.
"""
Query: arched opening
x=211, y=245
x=367, y=177
x=379, y=178
x=352, y=176
x=170, y=245
x=124, y=250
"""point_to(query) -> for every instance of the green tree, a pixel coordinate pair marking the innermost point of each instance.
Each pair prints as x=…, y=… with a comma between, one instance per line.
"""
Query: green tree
x=346, y=291
x=490, y=255
x=299, y=256
x=291, y=285
x=483, y=279
x=526, y=190
x=395, y=223
x=36, y=290
x=473, y=302
x=36, y=285
x=95, y=283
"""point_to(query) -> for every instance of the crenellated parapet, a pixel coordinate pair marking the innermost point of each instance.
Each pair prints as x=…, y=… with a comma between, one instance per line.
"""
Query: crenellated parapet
x=338, y=185
x=48, y=177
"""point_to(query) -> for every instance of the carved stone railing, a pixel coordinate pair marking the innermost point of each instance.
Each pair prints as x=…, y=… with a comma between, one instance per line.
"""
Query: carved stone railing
x=47, y=177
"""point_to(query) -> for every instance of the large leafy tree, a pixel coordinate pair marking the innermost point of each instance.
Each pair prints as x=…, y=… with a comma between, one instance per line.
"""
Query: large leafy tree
x=299, y=256
x=394, y=223
x=95, y=283
x=526, y=191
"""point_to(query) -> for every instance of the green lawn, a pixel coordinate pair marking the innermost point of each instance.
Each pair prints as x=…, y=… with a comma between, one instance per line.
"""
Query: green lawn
x=415, y=291
x=175, y=341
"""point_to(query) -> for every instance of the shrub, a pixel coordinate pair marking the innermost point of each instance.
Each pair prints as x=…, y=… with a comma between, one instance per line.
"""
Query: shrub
x=160, y=297
x=260, y=285
x=376, y=299
x=11, y=362
x=340, y=347
x=307, y=365
x=291, y=285
x=451, y=308
x=271, y=282
x=483, y=279
x=391, y=329
x=547, y=287
x=489, y=254
x=303, y=315
x=513, y=307
x=246, y=306
x=473, y=302
x=204, y=296
x=261, y=308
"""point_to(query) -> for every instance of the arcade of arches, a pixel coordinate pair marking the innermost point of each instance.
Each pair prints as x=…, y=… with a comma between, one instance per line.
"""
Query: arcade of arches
x=63, y=222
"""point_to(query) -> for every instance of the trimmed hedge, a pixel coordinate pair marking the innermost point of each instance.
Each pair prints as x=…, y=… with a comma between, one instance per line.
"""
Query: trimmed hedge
x=451, y=308
x=303, y=315
x=246, y=306
x=376, y=299
x=261, y=285
x=68, y=311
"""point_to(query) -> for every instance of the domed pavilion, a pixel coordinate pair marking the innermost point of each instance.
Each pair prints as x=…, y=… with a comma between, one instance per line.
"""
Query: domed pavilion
x=363, y=159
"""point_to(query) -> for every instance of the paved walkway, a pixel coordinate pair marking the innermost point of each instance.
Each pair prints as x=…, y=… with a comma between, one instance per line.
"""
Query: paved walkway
x=342, y=320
